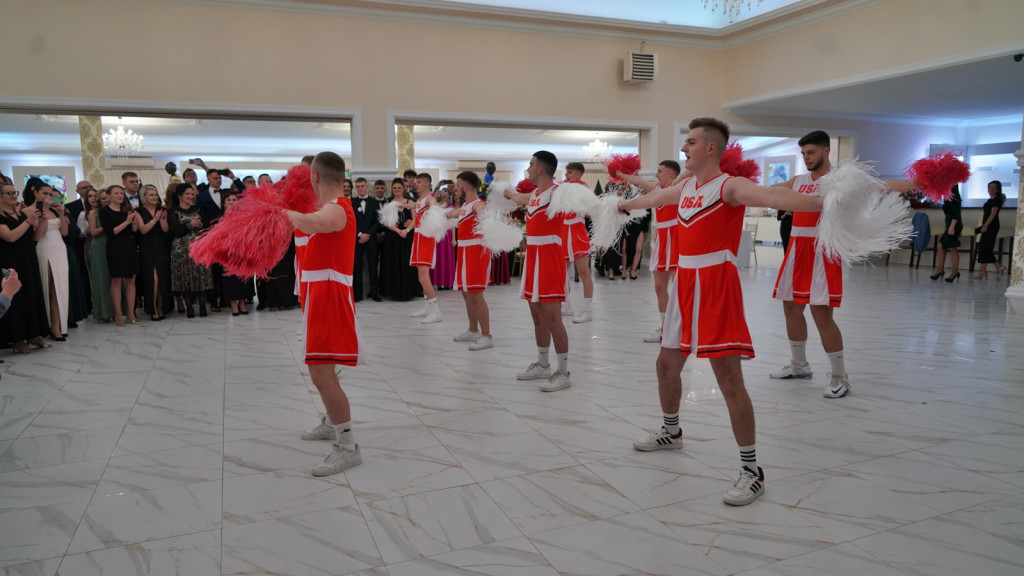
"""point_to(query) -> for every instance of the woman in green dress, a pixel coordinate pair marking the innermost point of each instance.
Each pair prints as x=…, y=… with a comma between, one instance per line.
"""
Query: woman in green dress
x=99, y=273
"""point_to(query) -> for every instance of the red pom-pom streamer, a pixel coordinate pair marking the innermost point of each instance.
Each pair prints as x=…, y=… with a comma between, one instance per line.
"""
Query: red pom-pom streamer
x=525, y=186
x=936, y=175
x=250, y=238
x=733, y=164
x=625, y=163
x=297, y=192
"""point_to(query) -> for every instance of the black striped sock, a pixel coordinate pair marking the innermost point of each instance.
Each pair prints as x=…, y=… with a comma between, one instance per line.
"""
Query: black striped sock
x=748, y=457
x=672, y=424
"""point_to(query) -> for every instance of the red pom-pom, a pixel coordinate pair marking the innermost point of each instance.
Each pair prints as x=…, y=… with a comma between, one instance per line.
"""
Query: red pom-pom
x=733, y=164
x=936, y=175
x=297, y=192
x=250, y=238
x=625, y=163
x=525, y=186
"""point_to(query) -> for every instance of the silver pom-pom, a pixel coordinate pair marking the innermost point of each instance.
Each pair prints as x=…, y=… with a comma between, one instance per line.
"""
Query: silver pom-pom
x=858, y=219
x=609, y=221
x=436, y=223
x=388, y=215
x=572, y=198
x=497, y=233
x=496, y=201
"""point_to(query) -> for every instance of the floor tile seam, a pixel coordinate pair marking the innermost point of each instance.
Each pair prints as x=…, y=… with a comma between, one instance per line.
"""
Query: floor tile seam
x=890, y=565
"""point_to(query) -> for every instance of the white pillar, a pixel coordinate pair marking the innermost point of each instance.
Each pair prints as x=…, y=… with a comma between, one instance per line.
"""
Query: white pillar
x=1015, y=293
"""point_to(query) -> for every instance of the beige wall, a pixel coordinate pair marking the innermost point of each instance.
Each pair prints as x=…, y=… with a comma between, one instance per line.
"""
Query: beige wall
x=196, y=54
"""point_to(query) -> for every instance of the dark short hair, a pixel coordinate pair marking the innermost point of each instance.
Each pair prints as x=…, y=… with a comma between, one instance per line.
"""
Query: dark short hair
x=330, y=166
x=186, y=171
x=248, y=178
x=577, y=166
x=398, y=181
x=213, y=171
x=469, y=177
x=818, y=138
x=671, y=165
x=360, y=179
x=409, y=172
x=547, y=161
x=379, y=183
x=307, y=160
x=717, y=130
x=349, y=180
x=127, y=175
x=262, y=175
x=425, y=176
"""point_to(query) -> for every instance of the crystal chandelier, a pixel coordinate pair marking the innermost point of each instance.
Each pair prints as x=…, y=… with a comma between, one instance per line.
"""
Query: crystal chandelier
x=597, y=151
x=122, y=143
x=730, y=8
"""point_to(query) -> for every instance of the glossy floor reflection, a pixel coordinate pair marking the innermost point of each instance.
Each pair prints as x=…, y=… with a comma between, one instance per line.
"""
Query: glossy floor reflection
x=173, y=448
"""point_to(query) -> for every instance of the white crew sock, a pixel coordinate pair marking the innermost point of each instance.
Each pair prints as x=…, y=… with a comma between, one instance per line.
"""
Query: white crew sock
x=344, y=432
x=586, y=304
x=542, y=357
x=799, y=351
x=672, y=424
x=748, y=457
x=838, y=366
x=563, y=363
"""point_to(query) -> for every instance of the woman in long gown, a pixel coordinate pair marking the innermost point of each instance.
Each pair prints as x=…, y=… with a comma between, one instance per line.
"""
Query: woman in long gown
x=398, y=279
x=25, y=320
x=120, y=225
x=279, y=288
x=52, y=255
x=235, y=290
x=990, y=229
x=187, y=276
x=99, y=271
x=154, y=258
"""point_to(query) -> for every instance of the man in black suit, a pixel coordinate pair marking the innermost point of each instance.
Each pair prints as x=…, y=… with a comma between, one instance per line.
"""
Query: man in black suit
x=209, y=202
x=366, y=208
x=131, y=184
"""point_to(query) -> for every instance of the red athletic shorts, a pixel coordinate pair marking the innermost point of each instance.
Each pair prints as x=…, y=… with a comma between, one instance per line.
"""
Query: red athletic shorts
x=422, y=255
x=473, y=266
x=807, y=276
x=332, y=335
x=704, y=316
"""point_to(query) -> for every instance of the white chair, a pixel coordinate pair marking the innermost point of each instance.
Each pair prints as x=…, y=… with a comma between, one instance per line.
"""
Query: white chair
x=752, y=228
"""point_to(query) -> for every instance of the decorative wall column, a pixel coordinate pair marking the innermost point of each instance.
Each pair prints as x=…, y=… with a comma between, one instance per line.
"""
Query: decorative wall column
x=1015, y=293
x=406, y=147
x=90, y=132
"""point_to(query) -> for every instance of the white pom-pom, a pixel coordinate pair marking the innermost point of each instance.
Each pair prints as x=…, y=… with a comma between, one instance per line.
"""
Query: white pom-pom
x=572, y=198
x=858, y=219
x=496, y=201
x=497, y=233
x=388, y=215
x=435, y=223
x=609, y=221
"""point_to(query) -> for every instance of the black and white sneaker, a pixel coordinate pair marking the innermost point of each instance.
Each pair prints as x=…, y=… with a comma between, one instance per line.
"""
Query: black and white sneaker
x=746, y=489
x=660, y=440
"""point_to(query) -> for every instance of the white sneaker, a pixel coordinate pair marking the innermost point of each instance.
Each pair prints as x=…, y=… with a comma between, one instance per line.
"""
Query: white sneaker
x=838, y=387
x=654, y=337
x=467, y=336
x=322, y=432
x=792, y=371
x=433, y=318
x=341, y=458
x=557, y=381
x=422, y=313
x=584, y=316
x=535, y=372
x=660, y=440
x=746, y=489
x=482, y=343
x=566, y=309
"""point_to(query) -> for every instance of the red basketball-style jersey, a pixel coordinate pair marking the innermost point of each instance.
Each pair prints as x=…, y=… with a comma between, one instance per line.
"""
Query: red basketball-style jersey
x=806, y=275
x=665, y=250
x=423, y=247
x=544, y=266
x=330, y=312
x=473, y=259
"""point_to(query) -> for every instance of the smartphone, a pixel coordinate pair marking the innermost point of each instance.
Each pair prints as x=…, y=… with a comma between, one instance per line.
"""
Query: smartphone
x=39, y=205
x=6, y=272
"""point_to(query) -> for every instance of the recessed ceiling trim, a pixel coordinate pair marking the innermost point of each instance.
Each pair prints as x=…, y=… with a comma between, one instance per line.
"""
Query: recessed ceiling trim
x=534, y=22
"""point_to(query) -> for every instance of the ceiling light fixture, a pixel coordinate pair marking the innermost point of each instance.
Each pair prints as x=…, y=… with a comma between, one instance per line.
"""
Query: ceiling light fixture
x=122, y=143
x=730, y=8
x=597, y=151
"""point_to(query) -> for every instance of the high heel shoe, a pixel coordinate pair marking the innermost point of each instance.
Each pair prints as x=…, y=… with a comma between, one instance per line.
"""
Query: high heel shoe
x=189, y=312
x=202, y=310
x=980, y=276
x=953, y=277
x=937, y=276
x=632, y=274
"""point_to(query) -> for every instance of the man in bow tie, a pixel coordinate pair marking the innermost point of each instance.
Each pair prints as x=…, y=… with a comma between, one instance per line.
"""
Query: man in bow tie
x=131, y=183
x=366, y=209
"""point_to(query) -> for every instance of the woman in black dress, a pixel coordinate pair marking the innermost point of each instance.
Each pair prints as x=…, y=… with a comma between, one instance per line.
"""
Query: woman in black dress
x=235, y=290
x=188, y=277
x=120, y=224
x=990, y=229
x=398, y=279
x=154, y=256
x=950, y=239
x=25, y=322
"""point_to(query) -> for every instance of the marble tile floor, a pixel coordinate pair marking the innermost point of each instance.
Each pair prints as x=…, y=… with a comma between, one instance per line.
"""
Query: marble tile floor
x=172, y=447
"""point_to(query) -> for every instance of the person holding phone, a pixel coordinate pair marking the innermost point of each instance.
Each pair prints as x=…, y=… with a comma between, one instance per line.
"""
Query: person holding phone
x=25, y=322
x=120, y=224
x=51, y=254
